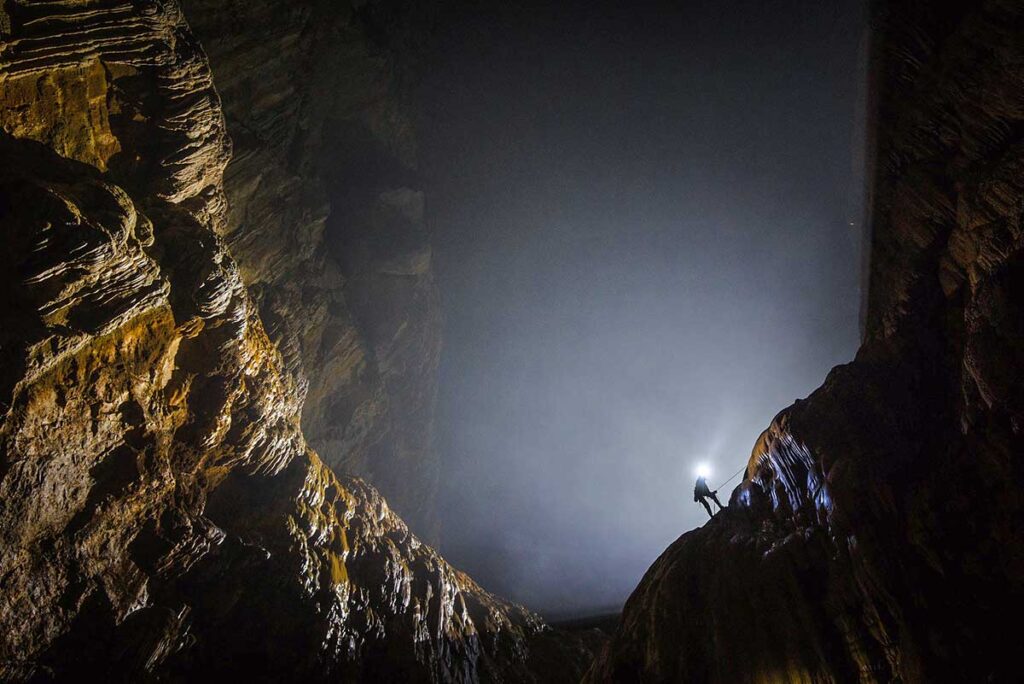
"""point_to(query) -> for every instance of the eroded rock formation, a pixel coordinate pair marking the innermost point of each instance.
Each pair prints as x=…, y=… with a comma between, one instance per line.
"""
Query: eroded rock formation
x=325, y=220
x=876, y=535
x=161, y=515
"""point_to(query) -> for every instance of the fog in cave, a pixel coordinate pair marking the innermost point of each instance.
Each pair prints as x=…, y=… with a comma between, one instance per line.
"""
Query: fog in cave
x=648, y=233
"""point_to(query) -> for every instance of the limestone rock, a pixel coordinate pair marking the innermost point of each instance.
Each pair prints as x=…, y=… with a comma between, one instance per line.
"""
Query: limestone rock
x=876, y=535
x=327, y=226
x=161, y=515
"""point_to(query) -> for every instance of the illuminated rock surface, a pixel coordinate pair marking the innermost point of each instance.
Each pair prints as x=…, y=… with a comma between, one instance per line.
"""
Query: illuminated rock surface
x=876, y=537
x=161, y=515
x=316, y=109
x=180, y=318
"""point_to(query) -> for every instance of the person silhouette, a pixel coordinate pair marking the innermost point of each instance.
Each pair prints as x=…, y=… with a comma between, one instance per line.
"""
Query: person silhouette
x=701, y=493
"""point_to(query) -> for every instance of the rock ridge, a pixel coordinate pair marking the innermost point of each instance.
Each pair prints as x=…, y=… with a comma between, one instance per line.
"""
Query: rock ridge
x=873, y=538
x=162, y=517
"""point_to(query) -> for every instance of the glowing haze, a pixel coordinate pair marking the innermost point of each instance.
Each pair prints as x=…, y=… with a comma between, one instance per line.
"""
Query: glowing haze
x=647, y=237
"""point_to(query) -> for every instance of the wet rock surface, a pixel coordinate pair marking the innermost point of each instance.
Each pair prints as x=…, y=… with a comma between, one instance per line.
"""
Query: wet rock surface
x=874, y=538
x=161, y=515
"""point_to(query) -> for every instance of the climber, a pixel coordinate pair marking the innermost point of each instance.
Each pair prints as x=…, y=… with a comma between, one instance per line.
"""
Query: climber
x=701, y=493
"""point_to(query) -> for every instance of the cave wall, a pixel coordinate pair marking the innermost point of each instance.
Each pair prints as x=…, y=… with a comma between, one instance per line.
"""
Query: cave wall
x=162, y=517
x=875, y=537
x=326, y=222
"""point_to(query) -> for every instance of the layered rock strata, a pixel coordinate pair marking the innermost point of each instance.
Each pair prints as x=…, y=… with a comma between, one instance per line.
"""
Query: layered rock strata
x=325, y=220
x=161, y=515
x=876, y=535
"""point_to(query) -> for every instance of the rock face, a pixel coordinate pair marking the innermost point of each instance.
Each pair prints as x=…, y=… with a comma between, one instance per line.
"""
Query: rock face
x=876, y=535
x=161, y=515
x=325, y=221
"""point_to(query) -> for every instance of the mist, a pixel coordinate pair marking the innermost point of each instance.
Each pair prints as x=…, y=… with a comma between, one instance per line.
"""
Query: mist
x=647, y=229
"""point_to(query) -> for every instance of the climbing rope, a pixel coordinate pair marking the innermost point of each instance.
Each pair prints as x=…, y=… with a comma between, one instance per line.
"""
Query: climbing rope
x=730, y=478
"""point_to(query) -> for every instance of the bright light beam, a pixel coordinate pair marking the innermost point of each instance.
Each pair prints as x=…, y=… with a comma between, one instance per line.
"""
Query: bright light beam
x=703, y=470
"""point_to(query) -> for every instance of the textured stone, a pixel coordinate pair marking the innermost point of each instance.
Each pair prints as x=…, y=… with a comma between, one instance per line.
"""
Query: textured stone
x=161, y=515
x=327, y=226
x=876, y=535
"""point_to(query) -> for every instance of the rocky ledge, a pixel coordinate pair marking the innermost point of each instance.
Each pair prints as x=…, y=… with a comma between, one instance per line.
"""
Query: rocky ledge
x=876, y=535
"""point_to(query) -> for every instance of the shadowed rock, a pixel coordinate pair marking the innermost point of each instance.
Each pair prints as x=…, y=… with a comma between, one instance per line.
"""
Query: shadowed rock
x=874, y=536
x=161, y=516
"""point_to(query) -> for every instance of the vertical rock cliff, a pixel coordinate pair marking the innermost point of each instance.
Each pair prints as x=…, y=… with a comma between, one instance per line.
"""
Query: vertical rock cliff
x=876, y=535
x=161, y=515
x=325, y=220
